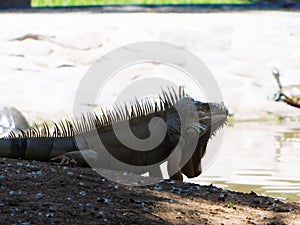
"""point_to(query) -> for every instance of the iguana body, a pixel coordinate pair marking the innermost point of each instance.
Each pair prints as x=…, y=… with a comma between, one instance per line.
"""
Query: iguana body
x=66, y=140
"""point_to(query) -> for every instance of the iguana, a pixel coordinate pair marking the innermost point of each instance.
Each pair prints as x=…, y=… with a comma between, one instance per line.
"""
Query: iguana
x=176, y=111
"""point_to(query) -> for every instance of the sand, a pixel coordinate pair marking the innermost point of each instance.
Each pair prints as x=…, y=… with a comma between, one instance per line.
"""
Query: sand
x=41, y=77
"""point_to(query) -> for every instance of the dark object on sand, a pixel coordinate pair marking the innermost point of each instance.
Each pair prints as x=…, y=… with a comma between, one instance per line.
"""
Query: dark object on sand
x=289, y=94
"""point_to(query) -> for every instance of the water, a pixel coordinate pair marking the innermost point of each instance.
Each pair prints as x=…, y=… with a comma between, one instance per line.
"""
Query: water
x=259, y=157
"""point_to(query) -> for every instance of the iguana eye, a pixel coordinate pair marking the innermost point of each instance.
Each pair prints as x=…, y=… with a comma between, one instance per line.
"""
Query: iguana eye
x=198, y=103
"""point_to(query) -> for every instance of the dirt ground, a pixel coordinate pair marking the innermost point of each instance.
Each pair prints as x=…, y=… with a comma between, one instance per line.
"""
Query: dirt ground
x=40, y=193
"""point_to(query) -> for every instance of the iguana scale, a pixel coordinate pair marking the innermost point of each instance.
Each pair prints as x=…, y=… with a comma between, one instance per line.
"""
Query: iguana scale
x=43, y=145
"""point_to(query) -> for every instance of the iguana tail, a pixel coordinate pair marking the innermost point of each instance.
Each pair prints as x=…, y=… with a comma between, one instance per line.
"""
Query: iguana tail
x=36, y=148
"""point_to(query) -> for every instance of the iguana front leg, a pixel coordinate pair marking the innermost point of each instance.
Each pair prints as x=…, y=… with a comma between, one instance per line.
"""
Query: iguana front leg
x=174, y=167
x=76, y=158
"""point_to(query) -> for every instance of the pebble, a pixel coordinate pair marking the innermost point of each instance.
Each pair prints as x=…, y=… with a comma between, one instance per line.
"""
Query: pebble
x=26, y=223
x=33, y=167
x=71, y=173
x=221, y=197
x=157, y=188
x=172, y=182
x=20, y=164
x=177, y=190
x=103, y=200
x=80, y=176
x=50, y=215
x=197, y=188
x=39, y=172
x=258, y=201
x=100, y=214
x=12, y=193
x=82, y=193
x=39, y=195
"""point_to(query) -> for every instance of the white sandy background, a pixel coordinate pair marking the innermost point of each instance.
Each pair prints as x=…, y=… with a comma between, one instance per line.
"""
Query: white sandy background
x=40, y=77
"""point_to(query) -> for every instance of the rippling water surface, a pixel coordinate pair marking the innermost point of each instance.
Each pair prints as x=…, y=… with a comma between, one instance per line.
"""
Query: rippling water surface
x=260, y=157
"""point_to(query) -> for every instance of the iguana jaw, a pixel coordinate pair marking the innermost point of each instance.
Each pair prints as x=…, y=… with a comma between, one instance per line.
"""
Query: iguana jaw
x=213, y=117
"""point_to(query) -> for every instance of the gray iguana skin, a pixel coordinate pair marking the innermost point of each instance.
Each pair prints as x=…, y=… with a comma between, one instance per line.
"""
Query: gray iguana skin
x=62, y=146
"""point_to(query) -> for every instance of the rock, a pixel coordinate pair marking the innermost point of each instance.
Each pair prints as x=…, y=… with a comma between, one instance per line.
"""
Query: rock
x=11, y=119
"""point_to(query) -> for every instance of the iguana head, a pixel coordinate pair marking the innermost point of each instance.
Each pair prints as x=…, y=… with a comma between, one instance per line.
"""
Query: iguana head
x=207, y=119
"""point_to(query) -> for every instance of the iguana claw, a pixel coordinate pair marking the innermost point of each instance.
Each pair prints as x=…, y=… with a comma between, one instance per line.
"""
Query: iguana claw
x=63, y=160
